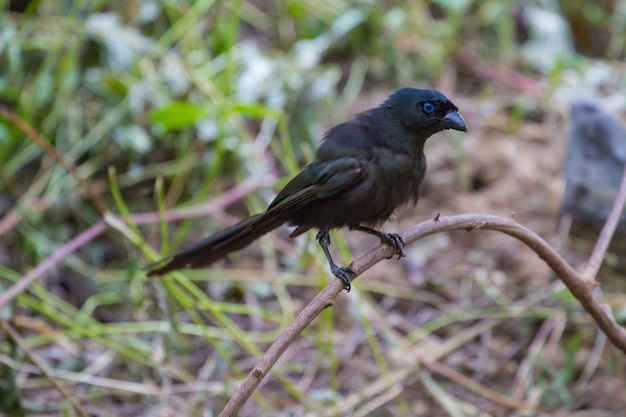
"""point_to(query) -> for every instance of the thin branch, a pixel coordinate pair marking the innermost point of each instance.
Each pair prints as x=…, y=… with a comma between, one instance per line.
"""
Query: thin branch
x=44, y=144
x=82, y=239
x=39, y=271
x=468, y=222
x=595, y=260
x=43, y=367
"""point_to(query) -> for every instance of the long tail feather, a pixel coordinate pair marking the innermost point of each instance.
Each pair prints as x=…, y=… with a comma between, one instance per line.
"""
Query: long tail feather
x=219, y=245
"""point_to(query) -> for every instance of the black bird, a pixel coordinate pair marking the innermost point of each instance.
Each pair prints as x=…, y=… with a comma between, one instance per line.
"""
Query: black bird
x=363, y=170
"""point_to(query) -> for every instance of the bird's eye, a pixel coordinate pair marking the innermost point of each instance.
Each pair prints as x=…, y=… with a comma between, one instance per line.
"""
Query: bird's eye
x=428, y=107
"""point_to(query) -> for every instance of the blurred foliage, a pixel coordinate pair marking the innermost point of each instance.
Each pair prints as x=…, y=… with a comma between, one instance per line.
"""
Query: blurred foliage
x=206, y=94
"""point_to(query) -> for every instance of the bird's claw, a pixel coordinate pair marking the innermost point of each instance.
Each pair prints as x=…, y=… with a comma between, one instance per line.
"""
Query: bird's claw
x=395, y=241
x=343, y=273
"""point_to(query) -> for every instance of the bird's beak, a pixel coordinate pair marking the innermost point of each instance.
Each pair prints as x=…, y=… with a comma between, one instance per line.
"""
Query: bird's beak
x=453, y=120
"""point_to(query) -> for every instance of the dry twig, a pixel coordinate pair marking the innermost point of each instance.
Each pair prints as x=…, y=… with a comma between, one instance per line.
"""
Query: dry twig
x=574, y=282
x=595, y=260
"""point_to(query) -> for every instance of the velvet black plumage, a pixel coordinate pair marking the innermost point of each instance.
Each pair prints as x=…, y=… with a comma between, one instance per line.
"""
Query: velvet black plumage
x=363, y=170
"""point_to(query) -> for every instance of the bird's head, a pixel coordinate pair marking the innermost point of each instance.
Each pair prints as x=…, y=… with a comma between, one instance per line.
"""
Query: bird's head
x=424, y=111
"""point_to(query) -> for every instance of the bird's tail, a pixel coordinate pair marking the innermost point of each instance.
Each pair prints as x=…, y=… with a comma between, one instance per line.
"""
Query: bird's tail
x=219, y=245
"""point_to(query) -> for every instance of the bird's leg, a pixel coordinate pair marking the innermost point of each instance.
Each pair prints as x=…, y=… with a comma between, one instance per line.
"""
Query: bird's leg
x=392, y=239
x=341, y=272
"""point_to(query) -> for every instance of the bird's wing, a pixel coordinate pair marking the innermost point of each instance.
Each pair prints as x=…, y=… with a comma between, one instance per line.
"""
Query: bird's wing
x=340, y=162
x=319, y=180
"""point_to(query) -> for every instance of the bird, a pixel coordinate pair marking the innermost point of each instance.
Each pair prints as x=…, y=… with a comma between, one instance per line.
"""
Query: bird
x=594, y=163
x=363, y=170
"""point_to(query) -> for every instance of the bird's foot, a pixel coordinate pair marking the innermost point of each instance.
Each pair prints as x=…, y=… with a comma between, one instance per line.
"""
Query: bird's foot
x=392, y=239
x=395, y=241
x=343, y=273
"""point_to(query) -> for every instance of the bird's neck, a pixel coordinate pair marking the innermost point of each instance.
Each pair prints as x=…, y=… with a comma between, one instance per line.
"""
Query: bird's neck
x=390, y=132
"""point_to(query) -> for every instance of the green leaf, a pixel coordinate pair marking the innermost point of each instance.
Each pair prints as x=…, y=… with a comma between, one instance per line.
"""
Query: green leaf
x=177, y=115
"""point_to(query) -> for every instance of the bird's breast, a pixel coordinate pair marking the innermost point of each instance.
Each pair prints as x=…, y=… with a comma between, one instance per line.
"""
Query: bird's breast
x=386, y=180
x=396, y=177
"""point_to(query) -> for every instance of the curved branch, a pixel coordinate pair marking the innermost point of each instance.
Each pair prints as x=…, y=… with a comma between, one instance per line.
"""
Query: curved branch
x=577, y=286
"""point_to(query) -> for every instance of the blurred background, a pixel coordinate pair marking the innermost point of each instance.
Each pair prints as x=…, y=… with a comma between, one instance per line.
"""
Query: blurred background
x=186, y=116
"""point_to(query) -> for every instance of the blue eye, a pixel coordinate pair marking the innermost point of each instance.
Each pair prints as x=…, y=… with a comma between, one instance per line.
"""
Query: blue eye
x=428, y=107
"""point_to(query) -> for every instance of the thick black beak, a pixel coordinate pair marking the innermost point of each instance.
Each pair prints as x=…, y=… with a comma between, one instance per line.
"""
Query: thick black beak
x=453, y=120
